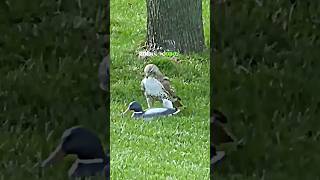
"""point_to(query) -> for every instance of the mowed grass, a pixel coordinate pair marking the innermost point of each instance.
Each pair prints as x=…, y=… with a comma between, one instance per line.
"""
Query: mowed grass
x=48, y=83
x=266, y=78
x=165, y=148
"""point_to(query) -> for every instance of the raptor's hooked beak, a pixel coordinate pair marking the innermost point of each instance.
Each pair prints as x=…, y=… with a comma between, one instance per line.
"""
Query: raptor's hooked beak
x=148, y=73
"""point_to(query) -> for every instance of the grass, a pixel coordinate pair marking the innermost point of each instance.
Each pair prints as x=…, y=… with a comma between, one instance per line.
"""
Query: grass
x=166, y=148
x=266, y=81
x=49, y=56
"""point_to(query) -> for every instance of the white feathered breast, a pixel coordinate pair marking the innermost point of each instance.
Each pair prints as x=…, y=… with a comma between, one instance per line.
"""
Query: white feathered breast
x=153, y=87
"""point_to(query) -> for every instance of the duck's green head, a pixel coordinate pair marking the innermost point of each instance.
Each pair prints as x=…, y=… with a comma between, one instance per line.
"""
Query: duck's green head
x=133, y=106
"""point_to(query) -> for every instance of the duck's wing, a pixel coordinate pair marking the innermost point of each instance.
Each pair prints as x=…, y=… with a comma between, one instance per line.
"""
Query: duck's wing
x=156, y=112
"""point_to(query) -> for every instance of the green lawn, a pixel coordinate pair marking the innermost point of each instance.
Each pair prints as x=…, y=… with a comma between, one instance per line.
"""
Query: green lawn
x=266, y=78
x=166, y=148
x=49, y=57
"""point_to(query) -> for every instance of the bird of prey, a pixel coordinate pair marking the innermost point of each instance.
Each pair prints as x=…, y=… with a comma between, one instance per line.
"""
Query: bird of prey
x=154, y=90
x=92, y=160
x=156, y=86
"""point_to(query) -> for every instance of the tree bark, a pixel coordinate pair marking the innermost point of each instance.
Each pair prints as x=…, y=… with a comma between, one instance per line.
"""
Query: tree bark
x=175, y=25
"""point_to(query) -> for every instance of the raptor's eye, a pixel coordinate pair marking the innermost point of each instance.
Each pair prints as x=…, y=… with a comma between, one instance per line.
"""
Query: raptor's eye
x=151, y=70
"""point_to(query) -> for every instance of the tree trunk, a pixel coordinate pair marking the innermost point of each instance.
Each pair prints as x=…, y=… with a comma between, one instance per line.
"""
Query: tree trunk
x=175, y=25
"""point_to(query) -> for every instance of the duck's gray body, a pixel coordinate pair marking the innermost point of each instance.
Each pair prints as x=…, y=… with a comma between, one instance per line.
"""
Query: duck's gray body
x=154, y=112
x=151, y=112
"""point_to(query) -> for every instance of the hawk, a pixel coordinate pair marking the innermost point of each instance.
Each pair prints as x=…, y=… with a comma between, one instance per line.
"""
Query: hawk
x=156, y=86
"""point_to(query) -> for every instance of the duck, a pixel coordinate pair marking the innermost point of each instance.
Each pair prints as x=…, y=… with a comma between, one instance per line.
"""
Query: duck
x=156, y=86
x=150, y=113
x=219, y=135
x=91, y=158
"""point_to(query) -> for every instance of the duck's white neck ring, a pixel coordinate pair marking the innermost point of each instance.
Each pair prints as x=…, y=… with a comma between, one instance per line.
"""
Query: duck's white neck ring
x=90, y=161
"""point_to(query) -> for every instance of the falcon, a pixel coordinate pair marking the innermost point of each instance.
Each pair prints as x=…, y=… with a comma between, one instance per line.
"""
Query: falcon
x=156, y=86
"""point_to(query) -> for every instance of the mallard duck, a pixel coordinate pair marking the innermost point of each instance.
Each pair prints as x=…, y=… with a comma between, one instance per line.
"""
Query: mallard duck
x=156, y=86
x=151, y=113
x=91, y=159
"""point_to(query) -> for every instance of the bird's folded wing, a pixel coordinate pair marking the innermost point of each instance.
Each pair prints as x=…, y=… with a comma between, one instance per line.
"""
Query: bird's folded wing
x=164, y=88
x=166, y=84
x=158, y=84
